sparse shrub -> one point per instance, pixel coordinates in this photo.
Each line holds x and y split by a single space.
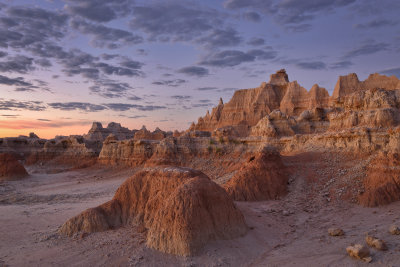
221 140
212 142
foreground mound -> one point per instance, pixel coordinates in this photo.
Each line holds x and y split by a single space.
181 209
263 177
382 185
10 168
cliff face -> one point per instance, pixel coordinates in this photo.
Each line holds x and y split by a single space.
295 100
247 106
318 97
373 102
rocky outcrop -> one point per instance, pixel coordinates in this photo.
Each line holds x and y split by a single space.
10 168
33 136
144 134
373 108
276 124
182 210
73 150
295 101
129 152
21 147
382 184
371 99
98 133
377 80
376 99
247 106
159 134
279 78
318 97
177 151
198 149
263 177
345 86
350 83
356 140
176 133
312 122
229 131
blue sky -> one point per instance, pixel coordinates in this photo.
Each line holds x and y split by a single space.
66 63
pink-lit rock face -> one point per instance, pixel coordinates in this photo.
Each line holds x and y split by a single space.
249 106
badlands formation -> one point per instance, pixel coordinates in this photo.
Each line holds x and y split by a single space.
277 176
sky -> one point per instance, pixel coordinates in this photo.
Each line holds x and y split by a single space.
65 64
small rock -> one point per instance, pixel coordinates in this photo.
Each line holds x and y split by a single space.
375 242
285 213
394 230
335 232
360 252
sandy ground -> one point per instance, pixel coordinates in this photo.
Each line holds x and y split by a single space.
287 232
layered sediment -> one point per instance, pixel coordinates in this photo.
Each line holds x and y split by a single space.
180 208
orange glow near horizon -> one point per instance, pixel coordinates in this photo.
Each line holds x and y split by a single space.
45 130
50 129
